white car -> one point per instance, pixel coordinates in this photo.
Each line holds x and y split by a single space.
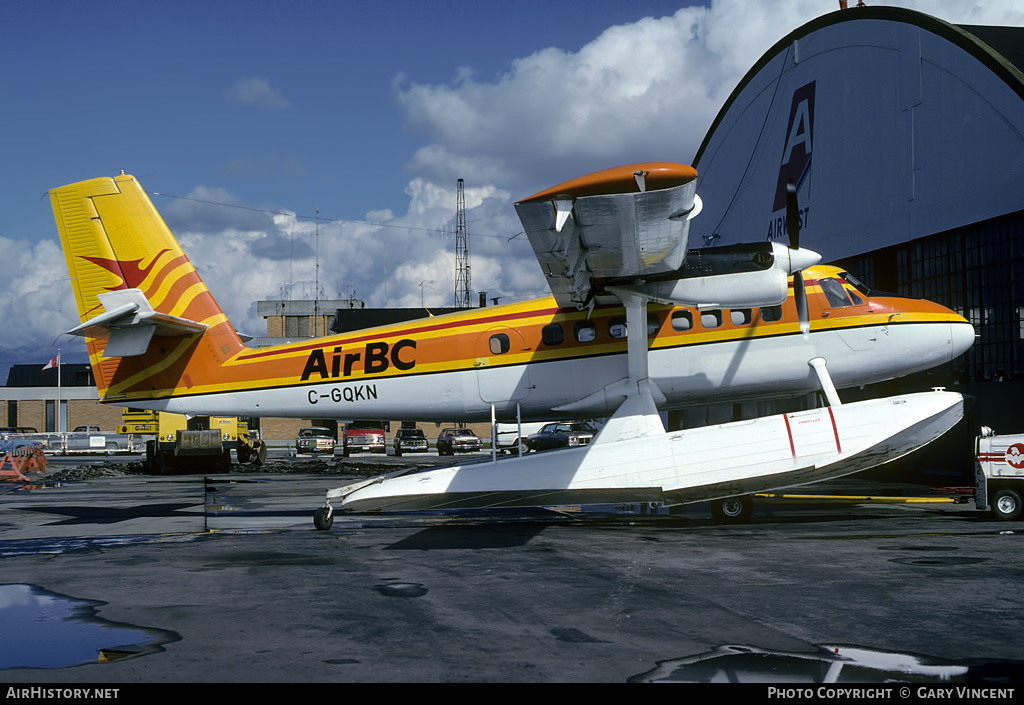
315 439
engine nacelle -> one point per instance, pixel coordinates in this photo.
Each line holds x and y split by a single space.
740 276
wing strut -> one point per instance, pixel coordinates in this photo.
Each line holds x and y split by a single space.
825 379
638 415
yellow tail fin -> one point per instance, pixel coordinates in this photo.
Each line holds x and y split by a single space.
137 294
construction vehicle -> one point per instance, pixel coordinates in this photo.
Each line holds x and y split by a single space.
999 473
138 421
193 444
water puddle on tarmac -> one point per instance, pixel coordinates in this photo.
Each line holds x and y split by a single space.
43 629
829 664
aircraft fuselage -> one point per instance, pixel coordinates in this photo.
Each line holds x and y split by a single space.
553 362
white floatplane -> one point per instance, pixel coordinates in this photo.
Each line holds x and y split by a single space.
637 323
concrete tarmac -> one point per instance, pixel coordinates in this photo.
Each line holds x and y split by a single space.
230 582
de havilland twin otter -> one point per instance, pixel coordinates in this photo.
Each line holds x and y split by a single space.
637 323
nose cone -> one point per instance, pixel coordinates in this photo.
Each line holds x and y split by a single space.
961 338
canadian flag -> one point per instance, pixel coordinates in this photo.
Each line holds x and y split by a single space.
52 363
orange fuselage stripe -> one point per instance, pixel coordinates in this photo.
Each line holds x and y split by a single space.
461 342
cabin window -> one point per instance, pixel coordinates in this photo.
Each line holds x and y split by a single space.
682 320
740 316
499 344
834 292
770 314
585 331
551 334
711 318
857 300
653 325
617 328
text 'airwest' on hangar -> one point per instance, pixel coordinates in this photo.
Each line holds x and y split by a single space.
905 136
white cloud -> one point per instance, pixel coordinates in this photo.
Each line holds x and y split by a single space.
255 92
36 299
643 91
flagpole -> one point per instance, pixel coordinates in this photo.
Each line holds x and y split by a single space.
59 430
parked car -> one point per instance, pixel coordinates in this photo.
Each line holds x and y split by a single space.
457 440
363 436
511 437
410 440
561 435
315 439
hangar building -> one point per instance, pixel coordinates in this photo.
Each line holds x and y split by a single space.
905 137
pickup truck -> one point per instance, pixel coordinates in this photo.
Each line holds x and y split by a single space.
364 435
87 439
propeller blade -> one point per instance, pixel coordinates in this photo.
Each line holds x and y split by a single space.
793 230
800 298
792 216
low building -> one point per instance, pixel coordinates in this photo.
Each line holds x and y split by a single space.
31 394
289 320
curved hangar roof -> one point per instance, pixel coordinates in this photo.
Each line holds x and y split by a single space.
893 124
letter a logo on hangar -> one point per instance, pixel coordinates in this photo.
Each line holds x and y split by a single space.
796 155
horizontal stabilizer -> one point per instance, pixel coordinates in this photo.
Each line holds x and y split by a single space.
129 323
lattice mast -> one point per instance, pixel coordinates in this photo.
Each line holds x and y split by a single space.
461 252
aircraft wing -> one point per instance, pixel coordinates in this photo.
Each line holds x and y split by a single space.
613 226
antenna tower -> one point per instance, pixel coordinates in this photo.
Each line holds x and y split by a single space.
461 252
316 293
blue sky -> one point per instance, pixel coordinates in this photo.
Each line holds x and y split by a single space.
159 89
365 111
285 105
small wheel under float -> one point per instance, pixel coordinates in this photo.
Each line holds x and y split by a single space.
732 510
323 518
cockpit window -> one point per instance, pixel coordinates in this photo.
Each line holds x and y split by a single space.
856 283
834 292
